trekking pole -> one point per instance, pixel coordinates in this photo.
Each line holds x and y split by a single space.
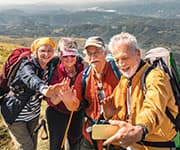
67 128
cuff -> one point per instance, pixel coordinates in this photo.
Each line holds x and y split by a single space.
145 131
43 89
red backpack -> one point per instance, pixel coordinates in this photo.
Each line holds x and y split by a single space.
11 66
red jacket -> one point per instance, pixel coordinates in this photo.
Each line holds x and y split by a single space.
58 75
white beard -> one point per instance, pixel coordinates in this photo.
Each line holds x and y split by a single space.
128 74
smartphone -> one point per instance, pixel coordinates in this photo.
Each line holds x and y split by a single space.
103 131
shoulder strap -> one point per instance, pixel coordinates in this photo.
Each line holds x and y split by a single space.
84 78
115 69
52 65
144 75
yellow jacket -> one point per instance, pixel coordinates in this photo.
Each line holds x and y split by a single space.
148 109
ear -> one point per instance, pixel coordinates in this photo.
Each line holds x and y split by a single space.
105 52
138 52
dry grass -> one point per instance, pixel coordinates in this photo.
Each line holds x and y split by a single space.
5 140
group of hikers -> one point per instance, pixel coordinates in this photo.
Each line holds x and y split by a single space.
104 98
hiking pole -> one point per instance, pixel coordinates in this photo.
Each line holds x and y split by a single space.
67 128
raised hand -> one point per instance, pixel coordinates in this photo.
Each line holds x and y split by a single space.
109 108
68 95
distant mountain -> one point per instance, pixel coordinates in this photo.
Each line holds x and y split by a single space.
154 24
160 8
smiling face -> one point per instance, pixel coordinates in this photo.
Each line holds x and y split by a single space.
127 60
69 61
44 54
96 57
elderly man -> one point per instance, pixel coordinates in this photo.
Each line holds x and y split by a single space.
142 116
100 83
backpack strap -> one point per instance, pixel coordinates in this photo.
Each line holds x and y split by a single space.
52 65
144 75
115 69
158 144
84 78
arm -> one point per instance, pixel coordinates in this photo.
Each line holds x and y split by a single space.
27 74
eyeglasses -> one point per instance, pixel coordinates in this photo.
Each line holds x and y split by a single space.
96 53
72 56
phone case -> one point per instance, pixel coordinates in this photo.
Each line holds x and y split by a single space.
103 131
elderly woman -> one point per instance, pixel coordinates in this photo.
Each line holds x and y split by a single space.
58 114
21 106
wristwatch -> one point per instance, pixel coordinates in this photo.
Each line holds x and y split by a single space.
145 131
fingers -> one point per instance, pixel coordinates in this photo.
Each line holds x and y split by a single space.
115 122
121 124
116 110
112 139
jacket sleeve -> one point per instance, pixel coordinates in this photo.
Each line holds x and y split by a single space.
158 94
27 73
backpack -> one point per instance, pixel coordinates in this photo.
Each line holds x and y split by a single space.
163 58
11 66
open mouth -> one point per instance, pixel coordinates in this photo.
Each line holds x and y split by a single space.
125 69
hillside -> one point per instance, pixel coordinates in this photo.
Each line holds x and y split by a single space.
150 32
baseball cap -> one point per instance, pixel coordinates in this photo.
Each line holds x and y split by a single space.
94 41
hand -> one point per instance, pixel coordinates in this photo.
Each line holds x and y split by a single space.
53 90
109 107
69 96
56 100
126 135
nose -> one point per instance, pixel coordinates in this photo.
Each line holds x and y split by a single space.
120 62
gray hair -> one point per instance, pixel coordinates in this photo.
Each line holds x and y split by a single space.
123 38
67 43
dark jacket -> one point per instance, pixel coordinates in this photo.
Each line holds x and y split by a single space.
27 82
